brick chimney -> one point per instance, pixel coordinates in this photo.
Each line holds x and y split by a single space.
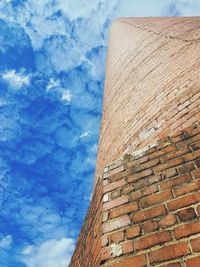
145 206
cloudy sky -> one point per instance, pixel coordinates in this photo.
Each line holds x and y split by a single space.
52 61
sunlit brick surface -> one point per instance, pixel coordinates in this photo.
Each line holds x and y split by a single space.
152 85
145 207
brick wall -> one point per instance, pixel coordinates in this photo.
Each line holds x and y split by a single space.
152 83
145 207
87 253
150 209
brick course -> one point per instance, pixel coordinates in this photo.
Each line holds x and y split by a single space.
145 207
158 223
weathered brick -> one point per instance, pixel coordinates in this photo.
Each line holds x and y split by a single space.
113 186
187 230
104 240
193 186
116 224
197 162
136 261
175 182
175 154
145 182
127 247
184 201
152 240
133 231
170 172
150 226
124 209
143 192
169 252
156 198
136 162
192 156
163 151
194 262
148 214
196 173
142 174
187 214
168 221
114 171
105 216
115 203
185 168
195 243
117 237
115 194
169 164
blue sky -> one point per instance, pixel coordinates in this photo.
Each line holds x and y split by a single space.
52 63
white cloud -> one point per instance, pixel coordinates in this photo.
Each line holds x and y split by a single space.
16 80
6 241
66 96
52 253
85 134
52 84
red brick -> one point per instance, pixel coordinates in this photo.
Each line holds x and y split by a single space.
187 230
170 172
185 168
148 214
187 214
115 203
125 209
192 156
196 173
156 198
150 226
105 253
194 262
112 186
193 186
117 237
168 253
104 240
133 231
184 201
127 189
127 247
167 221
175 154
140 175
116 224
169 164
136 261
114 171
105 216
150 164
115 194
163 151
152 240
175 182
143 192
136 162
195 243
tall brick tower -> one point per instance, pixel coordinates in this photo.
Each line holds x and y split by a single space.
145 206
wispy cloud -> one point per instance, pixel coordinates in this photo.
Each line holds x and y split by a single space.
52 253
16 80
6 241
52 59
